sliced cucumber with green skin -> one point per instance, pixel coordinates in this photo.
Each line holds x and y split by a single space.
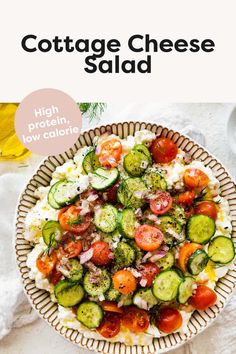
165 285
166 262
135 163
127 223
221 250
100 287
200 228
145 299
129 190
185 290
76 270
51 233
155 181
179 214
65 193
169 226
144 150
90 314
112 294
102 179
126 300
68 294
90 162
51 200
124 255
105 219
197 262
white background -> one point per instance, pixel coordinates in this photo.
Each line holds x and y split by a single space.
185 77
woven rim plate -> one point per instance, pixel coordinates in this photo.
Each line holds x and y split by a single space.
40 299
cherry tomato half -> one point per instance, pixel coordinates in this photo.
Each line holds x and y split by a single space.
101 253
185 252
162 203
46 263
149 271
206 208
148 237
110 152
186 198
55 276
71 220
169 320
111 306
203 298
110 325
124 281
163 150
135 319
195 179
71 248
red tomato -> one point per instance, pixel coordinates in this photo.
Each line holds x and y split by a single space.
195 179
101 253
46 263
111 306
186 198
55 276
203 298
206 208
135 319
162 203
149 271
111 194
72 248
148 237
124 281
71 220
163 150
110 152
110 325
169 320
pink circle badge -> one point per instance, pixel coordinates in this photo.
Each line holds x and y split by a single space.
48 122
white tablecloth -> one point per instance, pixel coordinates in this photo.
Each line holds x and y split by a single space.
210 119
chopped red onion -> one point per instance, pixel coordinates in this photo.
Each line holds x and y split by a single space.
86 256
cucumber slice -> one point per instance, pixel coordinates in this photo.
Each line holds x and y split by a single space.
139 254
135 163
68 294
185 290
126 300
100 287
51 233
51 200
155 181
124 255
105 219
90 314
166 262
221 250
165 285
127 223
112 294
90 162
144 299
179 214
169 226
130 193
197 262
102 179
200 228
65 193
76 270
144 150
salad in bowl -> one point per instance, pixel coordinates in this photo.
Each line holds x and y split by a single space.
130 238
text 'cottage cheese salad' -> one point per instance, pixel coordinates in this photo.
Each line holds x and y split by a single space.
130 238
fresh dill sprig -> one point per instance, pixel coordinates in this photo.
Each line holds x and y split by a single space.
93 109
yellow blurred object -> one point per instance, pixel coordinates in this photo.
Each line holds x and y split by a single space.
10 146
